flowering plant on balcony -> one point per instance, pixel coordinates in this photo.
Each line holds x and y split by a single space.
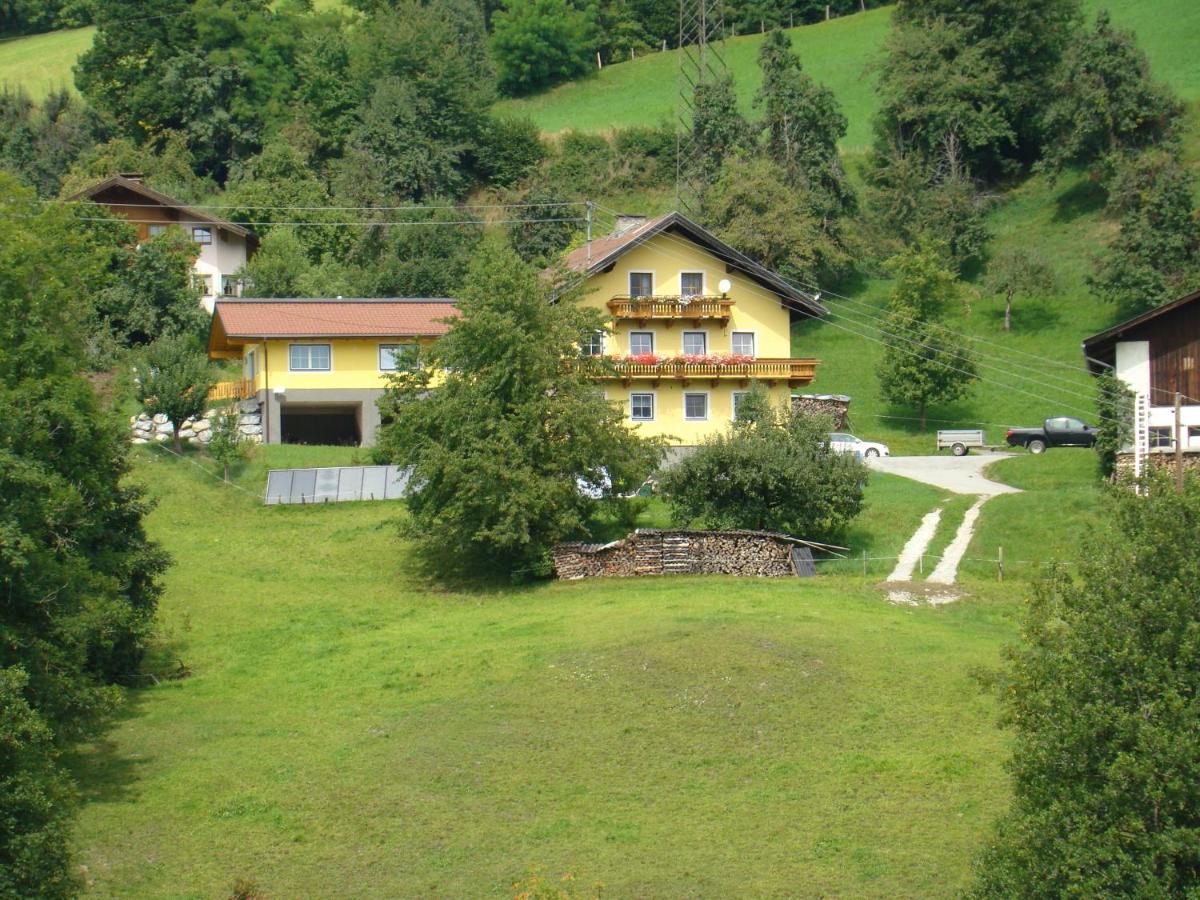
714 360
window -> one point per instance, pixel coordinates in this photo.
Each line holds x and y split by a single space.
691 284
641 284
695 406
738 397
393 357
592 345
202 235
641 342
641 407
695 343
309 358
1160 438
231 286
156 230
743 343
250 366
203 283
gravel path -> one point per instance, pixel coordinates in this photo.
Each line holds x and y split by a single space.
961 474
911 554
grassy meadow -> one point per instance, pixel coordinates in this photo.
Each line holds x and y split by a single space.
349 728
41 63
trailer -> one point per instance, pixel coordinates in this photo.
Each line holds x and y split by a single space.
960 441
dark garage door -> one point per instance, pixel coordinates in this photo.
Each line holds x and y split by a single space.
336 425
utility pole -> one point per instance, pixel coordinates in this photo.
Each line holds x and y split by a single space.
589 206
1178 442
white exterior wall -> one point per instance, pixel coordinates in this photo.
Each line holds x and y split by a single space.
224 256
1133 368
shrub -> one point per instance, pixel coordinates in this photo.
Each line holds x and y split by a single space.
772 471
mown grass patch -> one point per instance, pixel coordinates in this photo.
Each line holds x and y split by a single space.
41 63
349 727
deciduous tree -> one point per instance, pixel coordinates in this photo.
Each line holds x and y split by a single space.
539 43
1101 695
174 378
500 440
772 470
1018 270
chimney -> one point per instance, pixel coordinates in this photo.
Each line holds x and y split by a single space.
627 222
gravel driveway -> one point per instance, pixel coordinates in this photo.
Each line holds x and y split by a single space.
961 474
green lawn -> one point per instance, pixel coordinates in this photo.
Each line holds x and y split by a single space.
350 729
42 63
838 54
644 92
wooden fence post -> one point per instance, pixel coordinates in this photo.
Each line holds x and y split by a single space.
999 563
864 564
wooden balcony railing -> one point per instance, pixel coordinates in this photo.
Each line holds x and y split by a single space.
242 389
690 307
794 371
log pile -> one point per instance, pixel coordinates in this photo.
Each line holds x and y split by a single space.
760 554
836 406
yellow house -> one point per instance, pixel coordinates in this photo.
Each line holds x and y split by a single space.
693 324
317 367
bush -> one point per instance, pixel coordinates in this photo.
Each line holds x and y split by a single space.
772 471
539 43
509 150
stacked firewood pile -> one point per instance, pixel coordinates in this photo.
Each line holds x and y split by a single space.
836 406
679 552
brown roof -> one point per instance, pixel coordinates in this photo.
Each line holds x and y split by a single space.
237 320
1099 350
138 187
603 252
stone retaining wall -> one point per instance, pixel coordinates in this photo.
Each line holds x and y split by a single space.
654 552
157 428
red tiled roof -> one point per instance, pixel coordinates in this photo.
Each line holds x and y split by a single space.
239 319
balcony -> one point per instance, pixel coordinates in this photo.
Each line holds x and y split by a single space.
242 389
793 371
696 308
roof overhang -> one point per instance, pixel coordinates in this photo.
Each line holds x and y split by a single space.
1099 350
190 213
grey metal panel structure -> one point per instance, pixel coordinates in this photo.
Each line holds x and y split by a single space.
335 484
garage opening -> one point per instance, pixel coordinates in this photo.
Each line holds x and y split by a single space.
336 425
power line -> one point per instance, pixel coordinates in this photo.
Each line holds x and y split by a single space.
405 208
1007 386
361 224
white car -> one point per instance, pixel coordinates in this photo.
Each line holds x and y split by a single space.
841 442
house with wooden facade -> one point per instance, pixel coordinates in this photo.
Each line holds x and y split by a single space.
693 324
1157 354
223 246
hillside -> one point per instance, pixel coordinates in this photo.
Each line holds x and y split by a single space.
345 724
41 63
837 54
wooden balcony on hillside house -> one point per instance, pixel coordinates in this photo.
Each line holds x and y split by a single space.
795 372
694 307
242 389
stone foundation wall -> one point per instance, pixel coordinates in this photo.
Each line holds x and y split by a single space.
158 428
836 406
653 552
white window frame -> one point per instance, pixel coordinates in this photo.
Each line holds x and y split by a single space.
653 405
249 369
753 341
603 345
691 272
733 402
707 406
206 229
310 344
683 343
653 343
161 226
392 344
629 281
